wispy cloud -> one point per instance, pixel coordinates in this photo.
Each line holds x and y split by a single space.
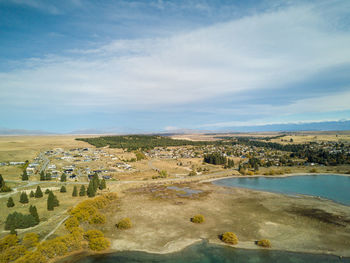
264 51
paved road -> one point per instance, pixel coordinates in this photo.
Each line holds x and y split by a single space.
46 162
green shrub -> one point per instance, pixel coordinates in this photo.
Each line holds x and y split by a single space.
198 219
264 243
125 223
10 202
230 238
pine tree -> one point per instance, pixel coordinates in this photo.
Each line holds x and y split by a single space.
102 184
31 194
50 201
38 192
2 182
10 202
47 191
3 186
63 189
91 190
25 176
63 178
48 177
95 182
13 231
82 191
23 198
55 201
75 191
42 176
34 213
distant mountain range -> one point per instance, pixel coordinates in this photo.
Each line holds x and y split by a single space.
5 131
342 125
286 127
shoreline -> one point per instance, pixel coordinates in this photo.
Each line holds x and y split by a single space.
269 176
244 245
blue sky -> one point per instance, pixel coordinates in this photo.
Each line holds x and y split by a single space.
162 65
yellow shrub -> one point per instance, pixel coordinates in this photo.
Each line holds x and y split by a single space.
230 238
8 241
97 219
250 173
31 257
99 243
88 209
30 240
91 234
12 253
54 247
125 223
197 219
96 239
71 223
264 243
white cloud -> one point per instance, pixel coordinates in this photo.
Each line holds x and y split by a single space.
268 50
338 102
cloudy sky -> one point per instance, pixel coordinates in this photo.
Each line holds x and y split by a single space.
160 65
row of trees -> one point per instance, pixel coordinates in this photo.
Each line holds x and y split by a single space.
45 177
136 142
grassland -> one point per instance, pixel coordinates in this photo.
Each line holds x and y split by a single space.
161 216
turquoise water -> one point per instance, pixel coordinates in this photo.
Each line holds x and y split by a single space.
333 187
206 253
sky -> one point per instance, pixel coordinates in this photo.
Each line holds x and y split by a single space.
147 66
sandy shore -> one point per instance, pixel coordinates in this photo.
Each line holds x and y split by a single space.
162 224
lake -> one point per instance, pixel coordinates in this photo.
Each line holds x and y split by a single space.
207 253
333 187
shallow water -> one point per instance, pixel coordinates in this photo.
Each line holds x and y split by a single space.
187 191
333 187
206 253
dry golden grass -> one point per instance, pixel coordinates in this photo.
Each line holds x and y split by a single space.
306 138
48 219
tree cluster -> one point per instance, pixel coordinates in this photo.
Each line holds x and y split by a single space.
215 158
17 220
45 177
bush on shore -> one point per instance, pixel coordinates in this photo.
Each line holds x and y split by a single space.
198 219
125 223
263 243
230 238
